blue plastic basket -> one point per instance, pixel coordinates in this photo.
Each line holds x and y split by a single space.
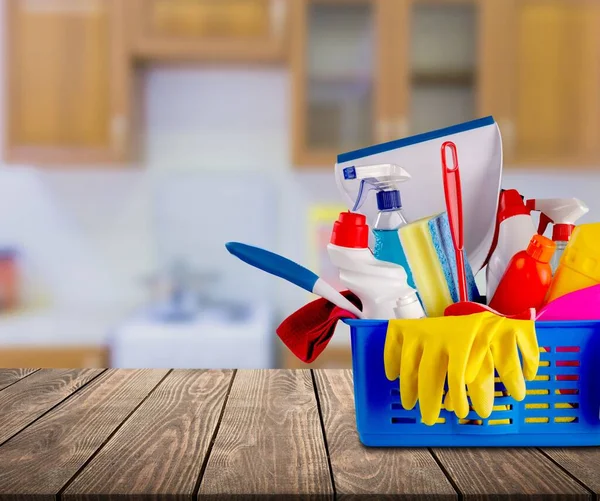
562 406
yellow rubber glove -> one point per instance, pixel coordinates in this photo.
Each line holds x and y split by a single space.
509 336
481 390
424 351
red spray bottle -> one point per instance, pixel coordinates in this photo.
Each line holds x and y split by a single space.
527 278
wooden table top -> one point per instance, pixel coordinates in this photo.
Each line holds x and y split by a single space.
95 434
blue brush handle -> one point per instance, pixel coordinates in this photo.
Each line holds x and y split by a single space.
274 264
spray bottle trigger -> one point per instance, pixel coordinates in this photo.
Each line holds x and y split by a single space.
362 195
544 222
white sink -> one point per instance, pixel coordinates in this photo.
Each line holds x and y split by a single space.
209 341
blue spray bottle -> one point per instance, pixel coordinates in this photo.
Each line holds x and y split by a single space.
384 180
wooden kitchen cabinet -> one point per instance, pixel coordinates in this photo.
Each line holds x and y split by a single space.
341 83
547 98
369 71
209 30
68 87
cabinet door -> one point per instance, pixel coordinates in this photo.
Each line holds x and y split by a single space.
436 64
552 97
239 30
341 77
67 81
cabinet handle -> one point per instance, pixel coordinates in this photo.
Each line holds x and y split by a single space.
278 16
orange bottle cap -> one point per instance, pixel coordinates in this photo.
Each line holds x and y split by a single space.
541 248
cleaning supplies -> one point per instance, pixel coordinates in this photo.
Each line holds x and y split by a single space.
378 284
307 331
582 304
580 265
292 272
527 278
384 180
481 169
453 197
428 352
430 254
514 233
409 307
563 213
387 240
424 353
512 340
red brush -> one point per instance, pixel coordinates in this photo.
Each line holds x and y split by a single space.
453 195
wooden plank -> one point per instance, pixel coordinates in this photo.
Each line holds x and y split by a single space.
508 474
39 461
269 441
161 448
581 462
25 401
10 376
360 471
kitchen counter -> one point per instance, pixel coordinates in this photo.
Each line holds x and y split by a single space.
181 434
59 327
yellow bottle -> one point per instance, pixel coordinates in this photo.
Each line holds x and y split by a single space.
580 264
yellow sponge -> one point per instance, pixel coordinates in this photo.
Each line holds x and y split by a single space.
427 244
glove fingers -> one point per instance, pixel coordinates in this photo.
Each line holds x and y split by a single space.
481 390
528 345
506 360
481 345
448 404
392 352
412 352
456 383
432 376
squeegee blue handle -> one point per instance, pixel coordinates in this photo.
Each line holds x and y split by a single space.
274 264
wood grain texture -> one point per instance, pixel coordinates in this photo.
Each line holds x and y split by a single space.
175 30
508 474
161 448
25 401
270 440
68 86
360 472
10 376
581 462
39 461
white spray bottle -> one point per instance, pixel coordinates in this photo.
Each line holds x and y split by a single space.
563 213
384 180
381 286
514 231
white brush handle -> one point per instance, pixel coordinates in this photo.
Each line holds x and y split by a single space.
323 289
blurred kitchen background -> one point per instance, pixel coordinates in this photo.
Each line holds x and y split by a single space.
139 136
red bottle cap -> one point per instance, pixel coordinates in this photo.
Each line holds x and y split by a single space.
541 248
511 204
562 232
350 230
